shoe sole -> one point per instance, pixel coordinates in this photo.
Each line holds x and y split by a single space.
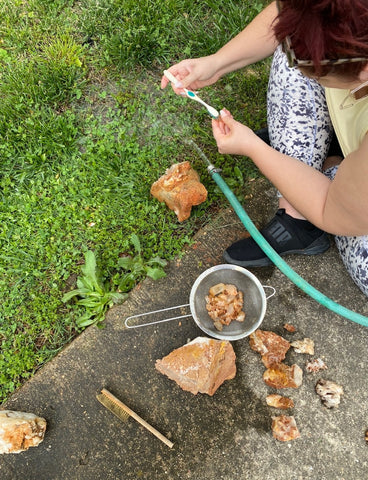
314 248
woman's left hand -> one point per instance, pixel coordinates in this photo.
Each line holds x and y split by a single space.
233 137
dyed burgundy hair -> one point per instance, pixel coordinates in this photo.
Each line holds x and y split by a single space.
326 29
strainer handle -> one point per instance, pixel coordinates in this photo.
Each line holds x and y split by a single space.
273 291
158 321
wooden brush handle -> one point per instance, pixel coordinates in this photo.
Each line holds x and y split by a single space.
136 417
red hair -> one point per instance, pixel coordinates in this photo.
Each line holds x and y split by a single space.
326 29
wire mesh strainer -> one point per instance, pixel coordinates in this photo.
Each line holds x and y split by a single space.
255 302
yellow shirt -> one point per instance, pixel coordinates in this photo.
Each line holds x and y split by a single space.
350 124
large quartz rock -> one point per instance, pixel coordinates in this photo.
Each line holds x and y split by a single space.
19 431
200 366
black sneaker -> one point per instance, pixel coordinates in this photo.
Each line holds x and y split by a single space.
286 235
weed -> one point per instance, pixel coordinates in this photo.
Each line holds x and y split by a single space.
136 268
95 295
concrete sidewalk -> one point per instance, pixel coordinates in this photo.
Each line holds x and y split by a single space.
227 436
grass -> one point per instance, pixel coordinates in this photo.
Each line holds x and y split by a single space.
84 132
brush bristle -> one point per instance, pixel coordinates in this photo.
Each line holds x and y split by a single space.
113 407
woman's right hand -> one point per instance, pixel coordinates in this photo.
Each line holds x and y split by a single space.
193 74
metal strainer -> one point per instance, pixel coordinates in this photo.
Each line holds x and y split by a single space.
255 302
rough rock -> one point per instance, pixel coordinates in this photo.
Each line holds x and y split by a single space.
200 366
330 392
284 428
278 401
304 346
271 346
283 376
180 188
315 365
289 327
20 430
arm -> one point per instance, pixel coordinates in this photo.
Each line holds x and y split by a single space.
347 199
338 206
251 45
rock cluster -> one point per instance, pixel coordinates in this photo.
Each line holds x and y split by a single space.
20 430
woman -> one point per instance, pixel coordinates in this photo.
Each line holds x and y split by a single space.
318 83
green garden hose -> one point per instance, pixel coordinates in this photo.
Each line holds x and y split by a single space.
275 257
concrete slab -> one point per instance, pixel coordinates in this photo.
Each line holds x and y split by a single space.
227 436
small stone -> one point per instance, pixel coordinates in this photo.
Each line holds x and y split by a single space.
330 392
314 366
20 430
290 328
278 401
284 428
283 376
304 346
271 346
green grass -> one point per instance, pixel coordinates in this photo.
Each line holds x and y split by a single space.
84 132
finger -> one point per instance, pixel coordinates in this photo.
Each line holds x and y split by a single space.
164 82
224 129
189 78
228 120
225 113
175 86
217 126
221 126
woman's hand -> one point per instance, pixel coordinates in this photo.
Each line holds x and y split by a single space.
233 137
193 74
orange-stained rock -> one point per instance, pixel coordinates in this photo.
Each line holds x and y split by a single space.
200 366
283 376
271 346
180 188
278 401
224 304
315 365
284 428
289 327
19 431
303 346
